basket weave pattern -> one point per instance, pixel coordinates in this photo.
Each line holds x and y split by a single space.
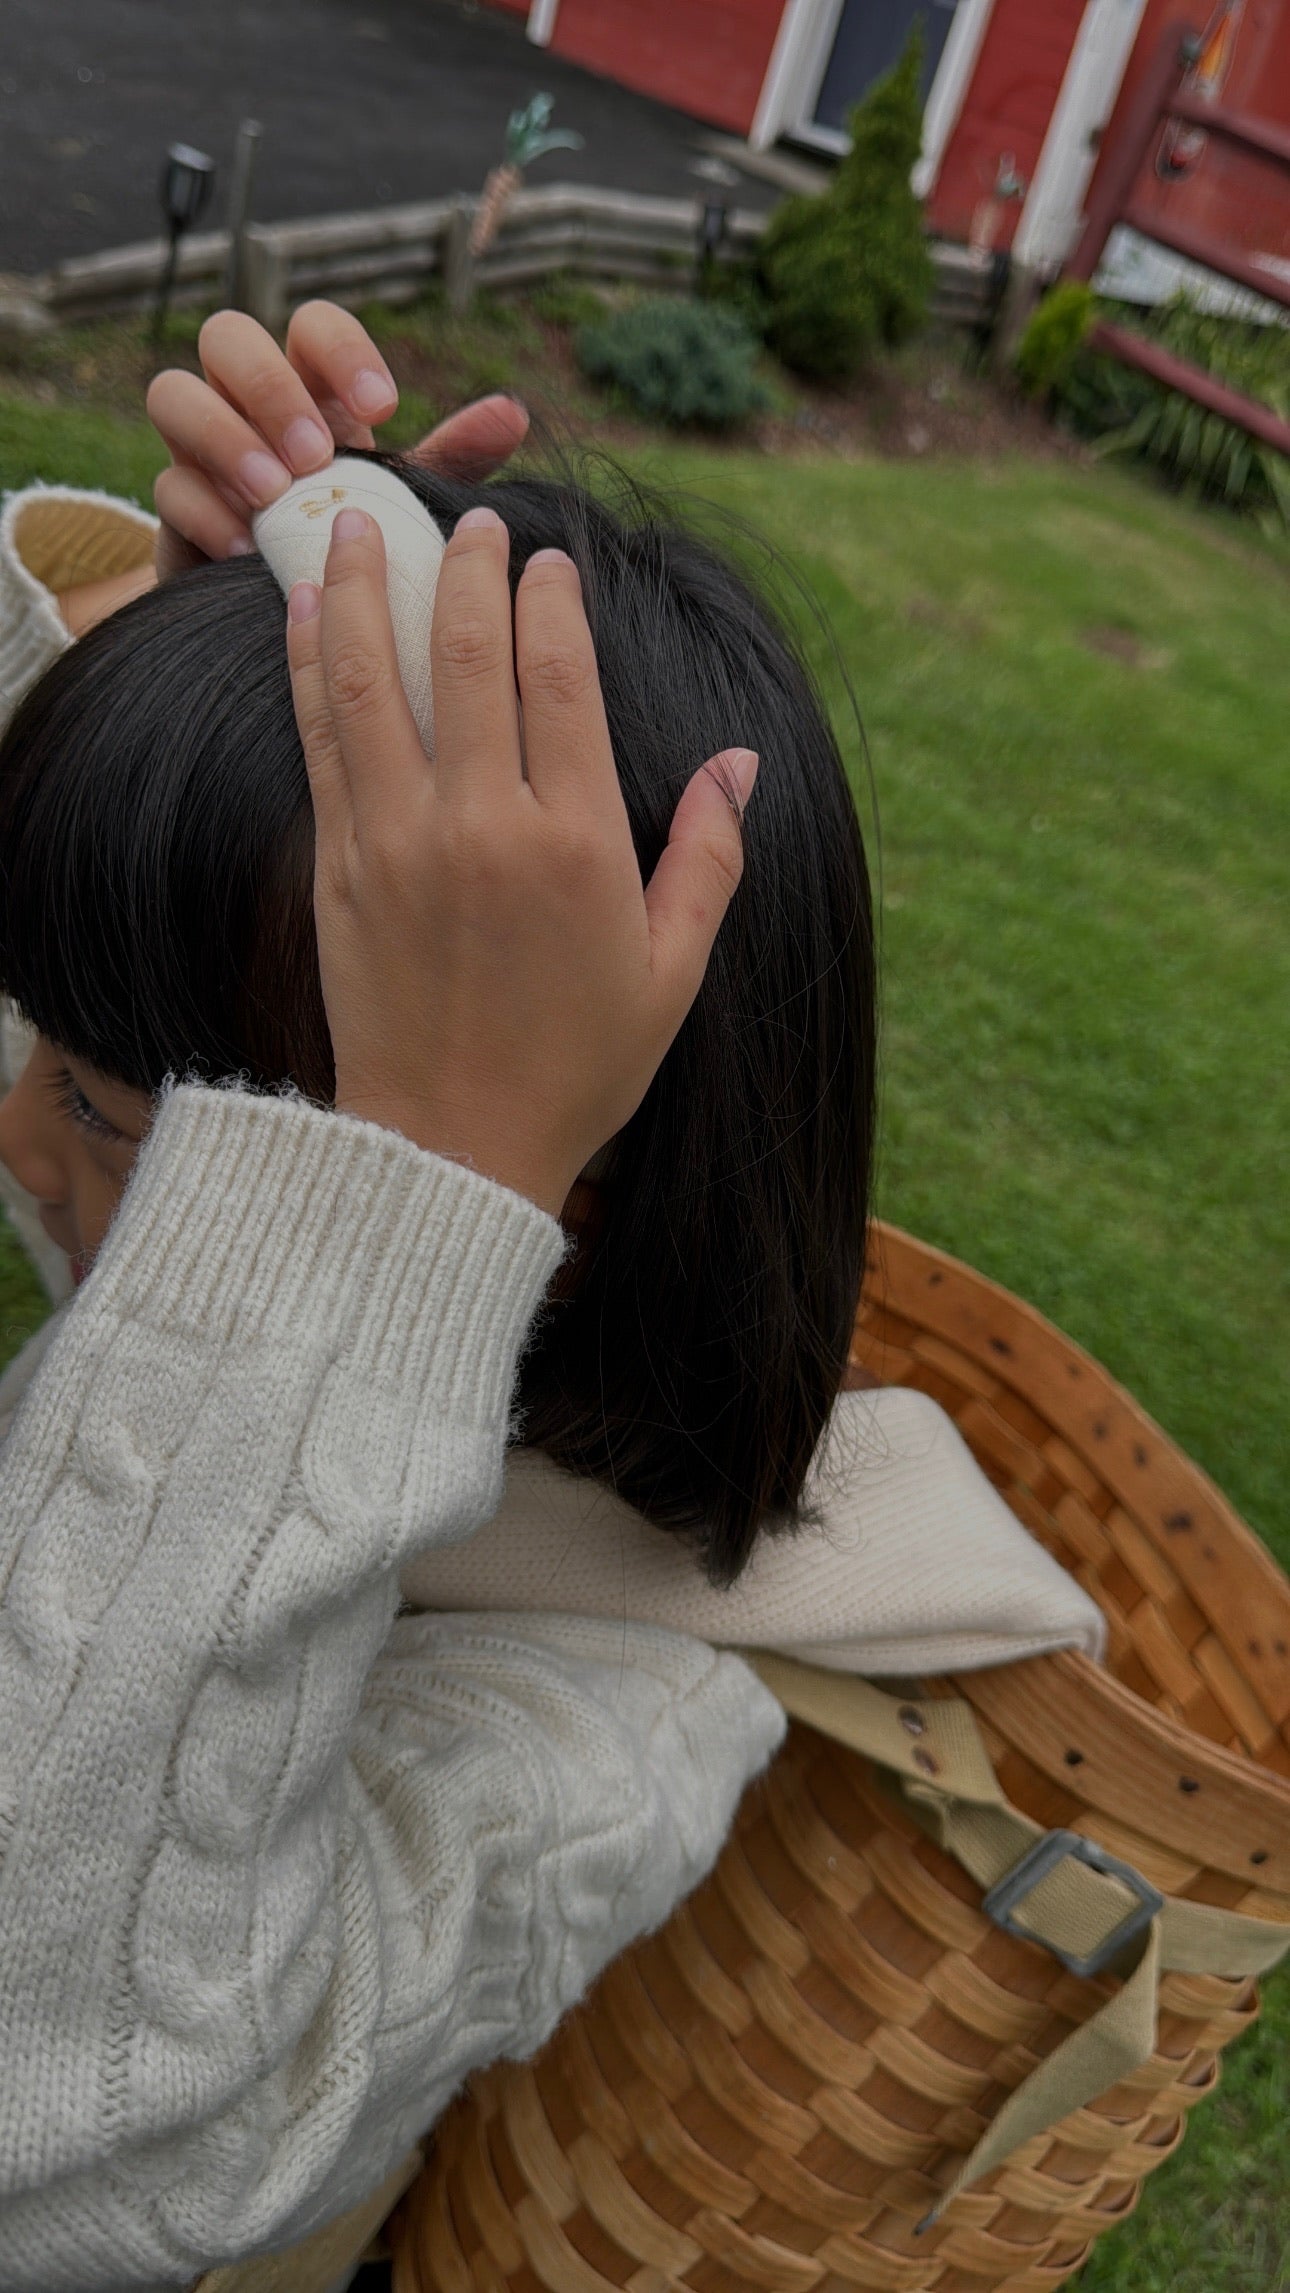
774 2089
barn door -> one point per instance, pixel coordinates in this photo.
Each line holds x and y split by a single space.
869 38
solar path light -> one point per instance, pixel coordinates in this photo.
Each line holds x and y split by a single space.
187 180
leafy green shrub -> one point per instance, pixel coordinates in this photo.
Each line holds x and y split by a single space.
848 272
566 300
1051 343
737 286
676 361
1128 413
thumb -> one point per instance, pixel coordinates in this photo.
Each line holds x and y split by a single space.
697 876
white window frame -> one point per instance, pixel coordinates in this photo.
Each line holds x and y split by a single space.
1053 213
541 21
800 58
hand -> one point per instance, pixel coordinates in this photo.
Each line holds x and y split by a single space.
262 417
499 986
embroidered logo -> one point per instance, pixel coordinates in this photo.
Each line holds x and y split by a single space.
314 507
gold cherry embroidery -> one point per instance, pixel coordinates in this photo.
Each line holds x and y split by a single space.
314 508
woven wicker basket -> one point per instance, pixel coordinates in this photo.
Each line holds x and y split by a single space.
773 2090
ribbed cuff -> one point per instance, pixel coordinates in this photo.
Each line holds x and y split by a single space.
32 631
250 1218
63 536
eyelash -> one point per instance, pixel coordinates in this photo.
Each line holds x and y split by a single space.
71 1100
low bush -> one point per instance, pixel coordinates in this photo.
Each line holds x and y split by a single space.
1048 349
1202 453
848 273
677 361
736 285
566 300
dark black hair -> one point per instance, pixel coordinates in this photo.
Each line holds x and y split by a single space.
156 843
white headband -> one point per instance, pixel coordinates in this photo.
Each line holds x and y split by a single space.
293 534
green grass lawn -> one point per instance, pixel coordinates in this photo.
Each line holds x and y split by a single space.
1076 696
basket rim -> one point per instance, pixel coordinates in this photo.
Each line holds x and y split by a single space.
1218 1807
1188 1518
1110 1750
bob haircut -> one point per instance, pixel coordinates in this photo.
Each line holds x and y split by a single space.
156 918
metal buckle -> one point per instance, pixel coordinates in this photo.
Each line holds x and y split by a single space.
1043 1857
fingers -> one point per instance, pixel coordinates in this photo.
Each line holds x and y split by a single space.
261 418
477 734
205 432
189 505
343 372
477 440
566 739
386 768
243 363
328 780
691 888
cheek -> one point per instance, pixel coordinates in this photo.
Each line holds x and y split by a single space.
96 1197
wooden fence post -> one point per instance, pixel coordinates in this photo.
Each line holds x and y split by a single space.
458 263
239 209
265 276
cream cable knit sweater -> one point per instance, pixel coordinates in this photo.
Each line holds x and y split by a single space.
277 1870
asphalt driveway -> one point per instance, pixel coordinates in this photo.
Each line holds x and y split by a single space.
362 102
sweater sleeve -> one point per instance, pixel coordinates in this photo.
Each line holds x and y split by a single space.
54 538
277 1870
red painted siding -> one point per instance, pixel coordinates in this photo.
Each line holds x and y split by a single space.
708 57
1238 199
1008 105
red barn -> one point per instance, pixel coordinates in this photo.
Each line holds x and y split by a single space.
1020 96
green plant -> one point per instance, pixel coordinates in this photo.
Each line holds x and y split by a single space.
1128 413
847 272
677 361
1051 343
530 135
566 300
737 286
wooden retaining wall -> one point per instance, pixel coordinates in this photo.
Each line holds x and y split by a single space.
390 254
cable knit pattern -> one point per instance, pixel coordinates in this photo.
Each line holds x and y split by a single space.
277 1870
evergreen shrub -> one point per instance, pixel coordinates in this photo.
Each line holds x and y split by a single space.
677 361
1046 354
847 273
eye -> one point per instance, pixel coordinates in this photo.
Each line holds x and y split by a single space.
70 1099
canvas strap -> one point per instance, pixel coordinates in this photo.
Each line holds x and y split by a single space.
934 1751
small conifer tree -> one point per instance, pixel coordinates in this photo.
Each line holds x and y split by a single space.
848 272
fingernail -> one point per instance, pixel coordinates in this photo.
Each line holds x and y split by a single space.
743 764
262 478
472 521
370 391
240 546
551 557
351 525
305 601
306 444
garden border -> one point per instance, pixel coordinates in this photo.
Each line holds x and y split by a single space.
390 254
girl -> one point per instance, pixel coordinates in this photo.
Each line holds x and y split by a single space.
277 1866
